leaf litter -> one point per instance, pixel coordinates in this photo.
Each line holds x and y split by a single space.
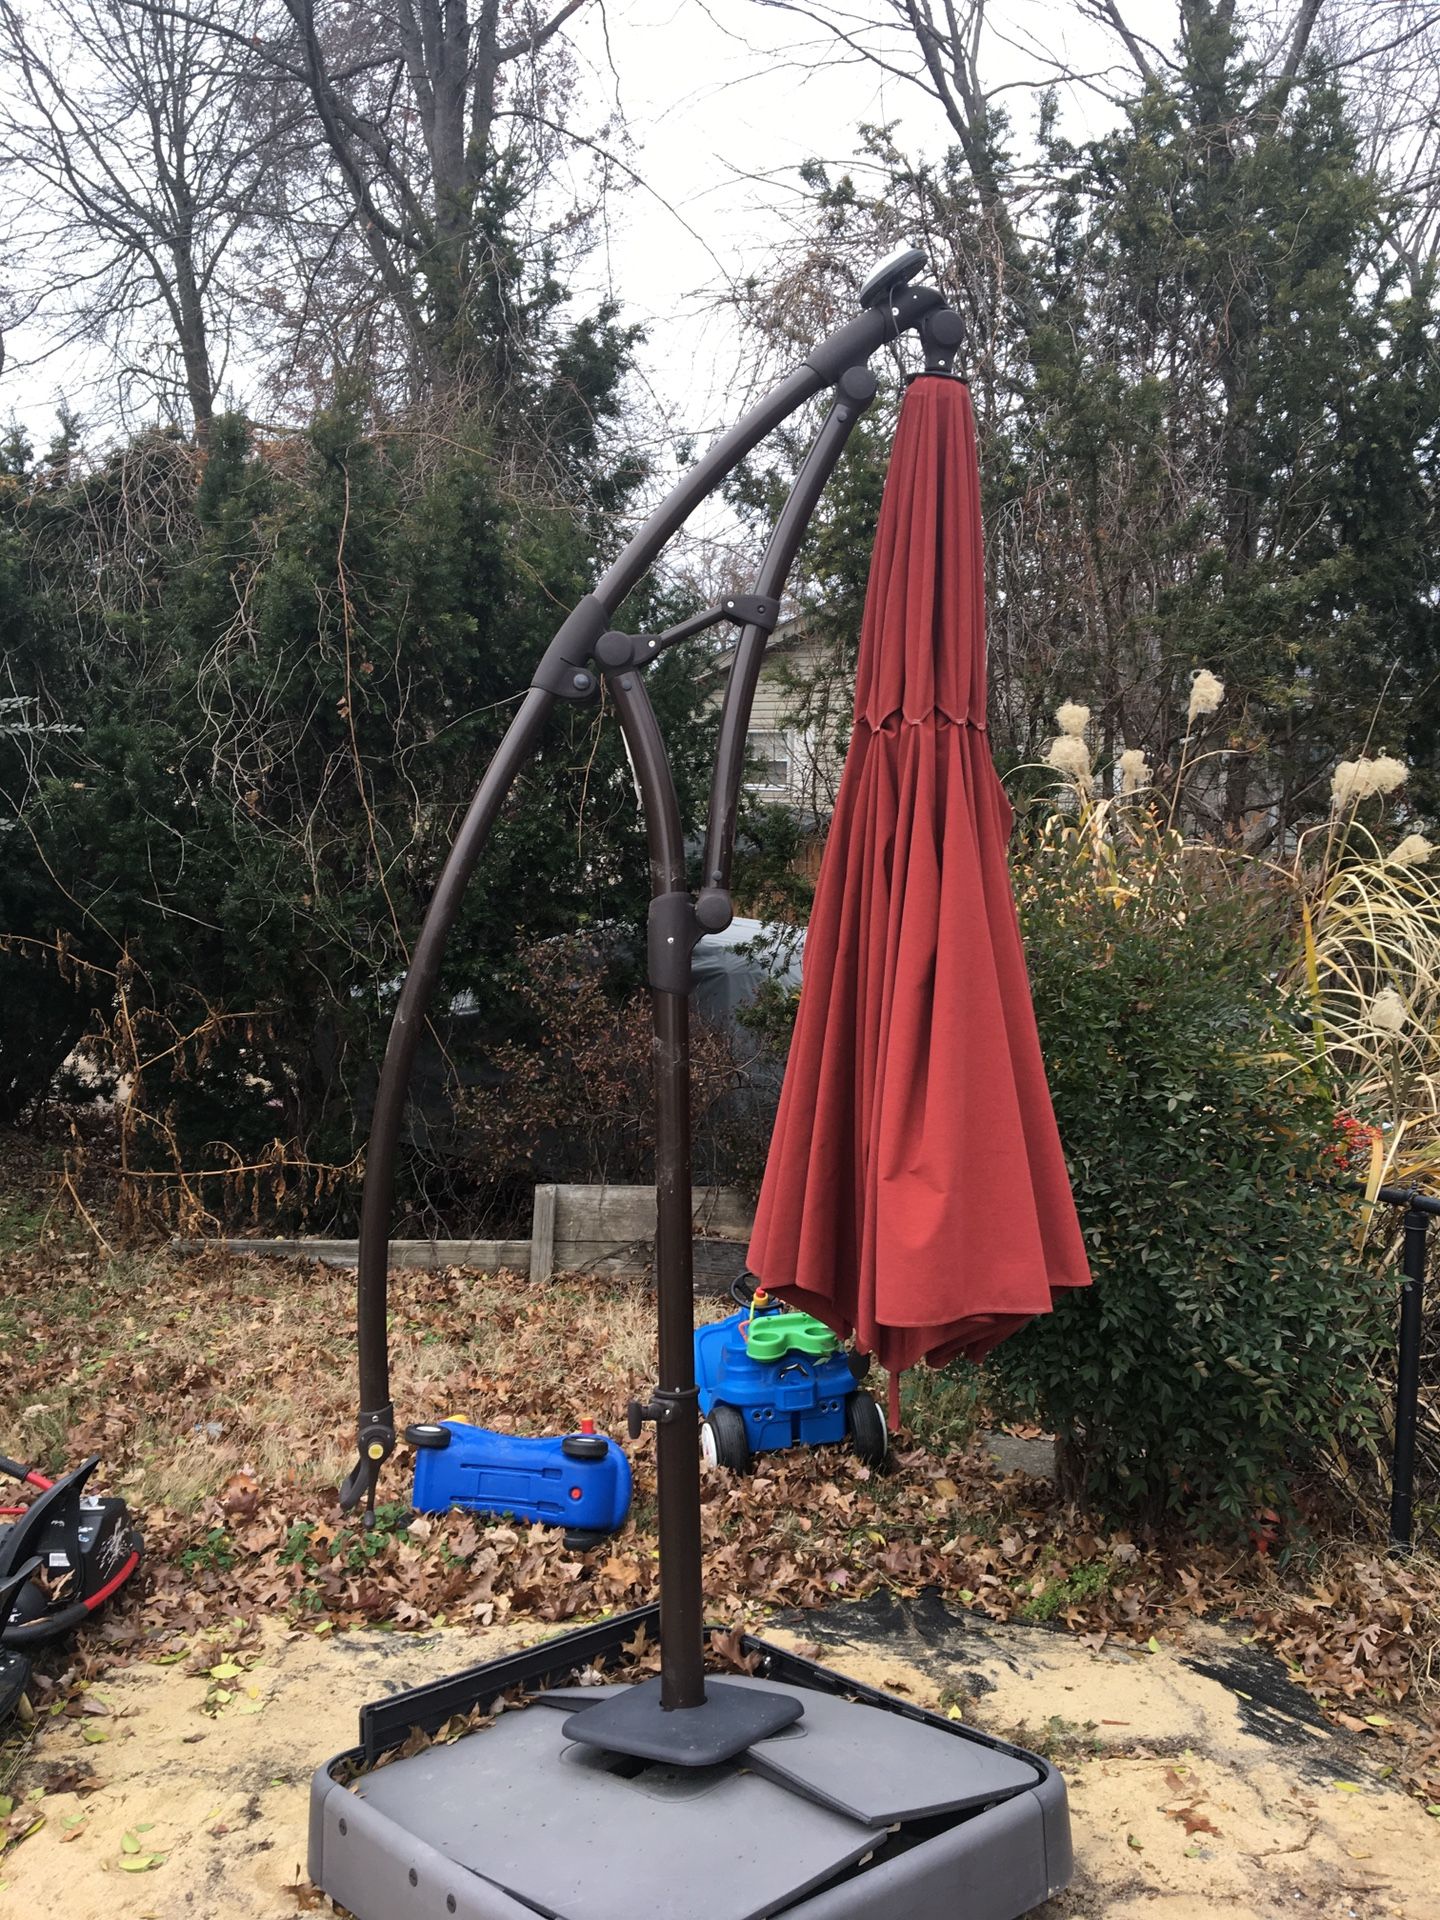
122 1358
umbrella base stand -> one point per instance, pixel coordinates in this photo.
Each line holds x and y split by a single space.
632 1721
859 1805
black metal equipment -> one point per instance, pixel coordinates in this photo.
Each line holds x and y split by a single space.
679 1735
75 1549
14 1666
1420 1210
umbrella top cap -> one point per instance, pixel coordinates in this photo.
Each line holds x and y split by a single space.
895 271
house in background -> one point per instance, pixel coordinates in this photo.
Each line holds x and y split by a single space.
798 724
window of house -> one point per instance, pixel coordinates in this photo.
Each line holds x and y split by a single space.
770 757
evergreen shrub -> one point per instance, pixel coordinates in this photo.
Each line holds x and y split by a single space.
1225 1343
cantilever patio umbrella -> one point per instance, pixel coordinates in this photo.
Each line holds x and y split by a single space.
686 1719
916 1194
583 1814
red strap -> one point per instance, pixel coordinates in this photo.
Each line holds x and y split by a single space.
895 1401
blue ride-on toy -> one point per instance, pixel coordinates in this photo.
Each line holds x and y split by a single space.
770 1378
578 1481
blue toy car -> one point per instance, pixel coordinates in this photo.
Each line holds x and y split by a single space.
771 1378
578 1481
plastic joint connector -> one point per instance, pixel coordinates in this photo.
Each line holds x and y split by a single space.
375 1436
665 1405
671 932
751 610
565 668
942 335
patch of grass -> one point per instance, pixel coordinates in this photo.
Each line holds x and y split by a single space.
941 1407
21 1224
296 1549
1081 1584
214 1552
1061 1739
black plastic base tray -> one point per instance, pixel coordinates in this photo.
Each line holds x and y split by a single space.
865 1806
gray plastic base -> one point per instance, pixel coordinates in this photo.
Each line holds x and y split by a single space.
862 1807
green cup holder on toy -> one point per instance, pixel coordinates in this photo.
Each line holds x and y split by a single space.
770 1336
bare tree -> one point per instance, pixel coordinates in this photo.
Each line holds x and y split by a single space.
938 47
135 141
1386 53
428 112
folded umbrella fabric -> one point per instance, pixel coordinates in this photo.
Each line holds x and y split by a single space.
916 1195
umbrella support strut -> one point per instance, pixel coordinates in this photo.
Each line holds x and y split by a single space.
679 1718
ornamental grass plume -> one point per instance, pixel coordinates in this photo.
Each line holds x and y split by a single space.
1135 774
1413 851
1206 693
1068 754
1387 1012
1355 780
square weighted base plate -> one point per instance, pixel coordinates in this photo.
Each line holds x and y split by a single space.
862 1806
732 1719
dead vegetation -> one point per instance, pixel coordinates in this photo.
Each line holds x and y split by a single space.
220 1393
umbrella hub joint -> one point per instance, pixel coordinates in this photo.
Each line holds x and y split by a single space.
942 335
674 925
665 1407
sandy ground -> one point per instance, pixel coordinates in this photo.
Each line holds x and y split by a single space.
1201 1783
1201 1780
220 1797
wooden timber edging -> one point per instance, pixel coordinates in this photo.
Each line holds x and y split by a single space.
428 1254
606 1230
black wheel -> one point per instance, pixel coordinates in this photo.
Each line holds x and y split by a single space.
581 1539
429 1434
723 1439
865 1424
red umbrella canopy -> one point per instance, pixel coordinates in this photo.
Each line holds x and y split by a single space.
916 1194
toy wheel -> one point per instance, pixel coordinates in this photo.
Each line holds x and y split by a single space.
581 1539
723 1439
865 1425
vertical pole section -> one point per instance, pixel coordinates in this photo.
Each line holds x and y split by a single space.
677 1437
1407 1383
674 1408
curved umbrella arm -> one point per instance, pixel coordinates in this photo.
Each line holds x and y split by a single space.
566 671
376 1423
854 392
